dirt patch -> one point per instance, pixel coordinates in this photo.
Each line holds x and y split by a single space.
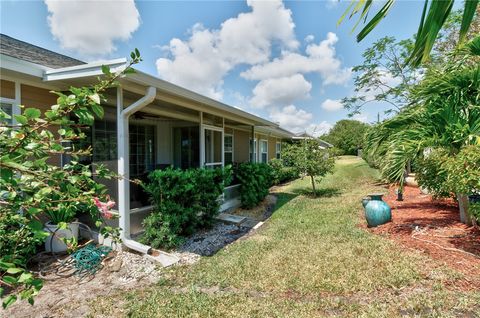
261 212
434 228
68 296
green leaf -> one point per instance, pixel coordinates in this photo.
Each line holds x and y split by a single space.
468 14
25 277
95 98
21 119
14 270
375 20
105 69
9 280
9 300
98 110
32 113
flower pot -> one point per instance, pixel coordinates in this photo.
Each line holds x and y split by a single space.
411 181
54 242
377 212
365 201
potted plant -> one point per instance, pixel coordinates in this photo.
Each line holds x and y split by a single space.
62 228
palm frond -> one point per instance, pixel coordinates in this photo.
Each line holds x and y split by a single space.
468 14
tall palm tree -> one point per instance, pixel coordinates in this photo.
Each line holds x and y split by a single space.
446 114
433 18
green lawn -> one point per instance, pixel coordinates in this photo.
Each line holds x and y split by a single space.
310 259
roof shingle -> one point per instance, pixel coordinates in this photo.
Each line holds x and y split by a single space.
34 54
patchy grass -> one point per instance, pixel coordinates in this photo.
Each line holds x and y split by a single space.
309 260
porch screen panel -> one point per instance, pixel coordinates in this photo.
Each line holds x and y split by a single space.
186 147
228 149
213 148
142 161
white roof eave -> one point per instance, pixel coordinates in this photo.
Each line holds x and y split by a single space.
139 77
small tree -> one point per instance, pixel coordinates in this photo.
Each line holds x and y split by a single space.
310 159
347 136
30 186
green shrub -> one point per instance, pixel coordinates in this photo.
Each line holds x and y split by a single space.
282 173
432 173
475 210
255 182
185 200
18 240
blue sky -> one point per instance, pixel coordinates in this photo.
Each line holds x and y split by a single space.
286 61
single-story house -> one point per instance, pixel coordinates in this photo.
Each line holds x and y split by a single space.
149 123
304 135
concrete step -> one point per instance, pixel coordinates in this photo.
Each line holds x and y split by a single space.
231 219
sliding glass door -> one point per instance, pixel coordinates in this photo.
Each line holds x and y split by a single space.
186 152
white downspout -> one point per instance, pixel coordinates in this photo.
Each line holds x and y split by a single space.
123 116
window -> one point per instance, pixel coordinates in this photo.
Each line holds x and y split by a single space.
253 152
278 150
6 108
228 149
263 151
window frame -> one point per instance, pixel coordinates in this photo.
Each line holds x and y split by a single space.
225 148
261 152
254 154
278 150
14 102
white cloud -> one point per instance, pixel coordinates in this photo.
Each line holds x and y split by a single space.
361 117
280 91
332 105
309 38
291 118
330 4
91 27
320 58
317 130
201 62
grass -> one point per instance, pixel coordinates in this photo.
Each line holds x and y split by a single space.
311 259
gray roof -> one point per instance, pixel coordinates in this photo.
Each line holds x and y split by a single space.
34 54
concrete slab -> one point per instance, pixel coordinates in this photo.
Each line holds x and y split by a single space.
231 219
164 258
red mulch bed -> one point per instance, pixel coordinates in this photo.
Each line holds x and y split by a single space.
434 227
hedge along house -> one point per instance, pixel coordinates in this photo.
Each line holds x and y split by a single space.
148 124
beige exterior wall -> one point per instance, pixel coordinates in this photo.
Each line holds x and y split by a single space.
7 89
37 97
42 99
271 148
241 146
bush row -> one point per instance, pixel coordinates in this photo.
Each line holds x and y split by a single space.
184 200
255 181
282 173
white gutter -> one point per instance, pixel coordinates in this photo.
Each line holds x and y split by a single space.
123 165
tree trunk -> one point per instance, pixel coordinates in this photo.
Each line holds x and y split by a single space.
313 186
465 217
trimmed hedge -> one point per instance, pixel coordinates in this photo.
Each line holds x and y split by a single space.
282 173
184 200
255 182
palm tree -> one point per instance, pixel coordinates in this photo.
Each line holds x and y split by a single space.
433 18
445 115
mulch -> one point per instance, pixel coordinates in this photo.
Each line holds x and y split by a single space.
434 228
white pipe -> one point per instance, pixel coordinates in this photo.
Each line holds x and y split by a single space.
123 116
